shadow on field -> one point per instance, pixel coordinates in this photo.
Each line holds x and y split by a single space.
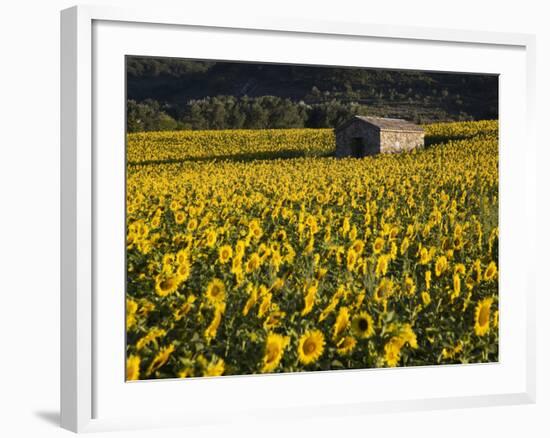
440 139
284 154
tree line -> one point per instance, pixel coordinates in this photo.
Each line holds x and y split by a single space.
265 112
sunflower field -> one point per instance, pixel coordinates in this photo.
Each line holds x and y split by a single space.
258 252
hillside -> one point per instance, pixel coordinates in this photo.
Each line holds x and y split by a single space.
231 95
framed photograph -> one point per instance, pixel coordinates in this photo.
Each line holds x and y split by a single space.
291 218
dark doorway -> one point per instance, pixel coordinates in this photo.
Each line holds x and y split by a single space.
358 147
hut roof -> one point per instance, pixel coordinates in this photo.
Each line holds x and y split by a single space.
384 124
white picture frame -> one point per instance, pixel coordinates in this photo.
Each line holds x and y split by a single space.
91 181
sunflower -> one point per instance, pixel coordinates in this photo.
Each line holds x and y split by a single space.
460 269
212 329
265 305
404 245
185 373
168 260
341 323
311 346
225 253
151 336
363 325
440 265
276 260
274 318
182 256
351 259
426 299
482 316
378 245
215 291
470 282
392 351
281 235
345 226
382 265
132 367
428 279
408 336
309 299
331 306
236 265
179 217
184 270
274 349
477 270
277 284
192 225
425 256
358 246
410 287
346 345
155 222
240 248
214 368
160 359
456 287
253 263
384 290
490 272
131 309
166 284
211 238
185 308
353 233
252 299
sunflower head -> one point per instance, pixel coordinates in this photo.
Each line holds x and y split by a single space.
440 265
160 359
490 272
132 367
131 309
311 346
166 284
309 299
384 290
483 316
358 246
382 264
410 287
363 325
342 322
215 368
179 217
215 291
253 263
225 253
211 238
351 258
192 224
426 298
392 351
274 350
378 245
346 345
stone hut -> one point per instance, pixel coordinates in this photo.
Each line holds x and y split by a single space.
362 136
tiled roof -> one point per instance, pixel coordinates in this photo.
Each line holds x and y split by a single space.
385 124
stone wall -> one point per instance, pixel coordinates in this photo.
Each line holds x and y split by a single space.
395 141
345 139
